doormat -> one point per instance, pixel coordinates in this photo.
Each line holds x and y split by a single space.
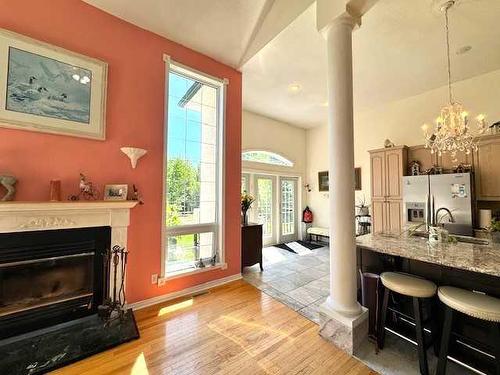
46 349
299 247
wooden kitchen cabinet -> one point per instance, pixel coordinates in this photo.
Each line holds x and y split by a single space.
423 156
396 164
388 166
487 169
387 216
428 160
394 216
448 165
377 162
378 215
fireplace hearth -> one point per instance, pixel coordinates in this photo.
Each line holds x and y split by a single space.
51 276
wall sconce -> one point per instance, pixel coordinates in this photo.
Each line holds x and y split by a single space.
134 154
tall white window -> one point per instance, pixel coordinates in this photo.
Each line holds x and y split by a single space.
193 170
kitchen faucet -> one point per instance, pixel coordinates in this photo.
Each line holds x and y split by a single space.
452 219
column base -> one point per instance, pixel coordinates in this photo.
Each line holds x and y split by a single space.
348 333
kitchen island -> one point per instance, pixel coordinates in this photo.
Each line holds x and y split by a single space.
465 265
484 259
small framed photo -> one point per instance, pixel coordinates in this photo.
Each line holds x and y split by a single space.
323 181
115 192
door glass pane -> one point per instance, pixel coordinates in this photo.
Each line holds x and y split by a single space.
287 207
244 184
265 205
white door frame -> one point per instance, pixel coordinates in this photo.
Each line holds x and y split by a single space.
275 176
295 235
272 239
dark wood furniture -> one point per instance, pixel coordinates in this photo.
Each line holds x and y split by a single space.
251 245
470 341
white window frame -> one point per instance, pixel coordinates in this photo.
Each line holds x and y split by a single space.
218 226
286 162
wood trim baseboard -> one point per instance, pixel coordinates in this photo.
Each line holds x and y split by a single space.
184 292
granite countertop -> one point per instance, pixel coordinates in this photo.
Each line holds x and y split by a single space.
472 257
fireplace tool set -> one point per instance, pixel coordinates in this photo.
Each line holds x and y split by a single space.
113 308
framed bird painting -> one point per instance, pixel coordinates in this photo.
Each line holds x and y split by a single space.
49 89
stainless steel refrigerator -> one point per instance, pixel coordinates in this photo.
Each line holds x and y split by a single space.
444 198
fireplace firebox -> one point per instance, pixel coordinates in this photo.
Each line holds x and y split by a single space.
52 276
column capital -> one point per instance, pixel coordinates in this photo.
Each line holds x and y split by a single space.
345 12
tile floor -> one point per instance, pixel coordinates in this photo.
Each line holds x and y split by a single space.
301 282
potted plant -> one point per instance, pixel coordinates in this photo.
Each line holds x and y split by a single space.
363 208
246 203
495 230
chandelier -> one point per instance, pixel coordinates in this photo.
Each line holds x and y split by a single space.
451 132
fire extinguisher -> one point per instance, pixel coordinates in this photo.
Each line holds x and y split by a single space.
307 216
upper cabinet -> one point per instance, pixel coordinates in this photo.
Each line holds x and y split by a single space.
387 168
423 156
487 169
428 160
378 184
396 164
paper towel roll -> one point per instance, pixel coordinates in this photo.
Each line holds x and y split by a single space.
484 218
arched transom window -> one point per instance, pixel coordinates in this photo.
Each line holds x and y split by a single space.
266 157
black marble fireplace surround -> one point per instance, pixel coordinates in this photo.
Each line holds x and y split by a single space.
50 277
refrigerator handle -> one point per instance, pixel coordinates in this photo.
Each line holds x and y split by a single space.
433 216
427 210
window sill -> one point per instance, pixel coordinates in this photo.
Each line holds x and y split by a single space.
188 272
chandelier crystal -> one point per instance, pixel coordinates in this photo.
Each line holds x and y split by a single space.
451 133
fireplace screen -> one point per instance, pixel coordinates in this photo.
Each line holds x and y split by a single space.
30 284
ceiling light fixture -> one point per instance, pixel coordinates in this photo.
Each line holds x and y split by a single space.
463 50
451 133
294 87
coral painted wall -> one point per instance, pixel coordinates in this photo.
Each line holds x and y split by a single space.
135 114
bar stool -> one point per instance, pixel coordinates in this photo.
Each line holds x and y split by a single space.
414 287
475 305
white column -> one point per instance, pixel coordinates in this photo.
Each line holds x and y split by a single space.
342 320
343 285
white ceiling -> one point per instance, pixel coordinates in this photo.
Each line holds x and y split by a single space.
220 29
398 52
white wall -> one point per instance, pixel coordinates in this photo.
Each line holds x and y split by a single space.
263 133
400 121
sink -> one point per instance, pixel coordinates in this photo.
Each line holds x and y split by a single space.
472 240
464 239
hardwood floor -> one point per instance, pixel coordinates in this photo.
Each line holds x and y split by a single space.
233 329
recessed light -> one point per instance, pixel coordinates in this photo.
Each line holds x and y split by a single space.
462 50
294 87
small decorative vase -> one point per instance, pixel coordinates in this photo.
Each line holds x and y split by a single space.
55 191
244 217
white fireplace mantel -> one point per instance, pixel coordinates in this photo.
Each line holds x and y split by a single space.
35 216
27 216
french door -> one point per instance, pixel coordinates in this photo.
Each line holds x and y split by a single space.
276 206
265 193
288 226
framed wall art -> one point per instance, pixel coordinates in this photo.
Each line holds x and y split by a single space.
49 89
115 192
324 182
